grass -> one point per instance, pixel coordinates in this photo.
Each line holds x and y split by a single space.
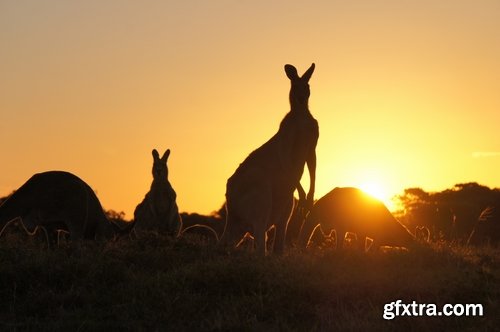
157 283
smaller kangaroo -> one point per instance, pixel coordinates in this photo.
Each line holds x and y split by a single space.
158 210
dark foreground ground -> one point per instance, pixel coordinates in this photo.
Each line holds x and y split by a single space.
158 284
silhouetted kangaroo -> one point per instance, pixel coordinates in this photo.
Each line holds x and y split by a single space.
56 201
260 192
351 210
158 211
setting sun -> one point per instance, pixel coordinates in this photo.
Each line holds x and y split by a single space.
374 189
378 191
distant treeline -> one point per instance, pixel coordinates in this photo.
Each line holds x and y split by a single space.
449 214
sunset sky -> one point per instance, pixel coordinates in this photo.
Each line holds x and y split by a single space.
406 93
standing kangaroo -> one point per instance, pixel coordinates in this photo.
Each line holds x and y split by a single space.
158 210
260 192
56 201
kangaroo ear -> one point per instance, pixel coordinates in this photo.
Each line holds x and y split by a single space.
156 155
308 73
291 72
165 155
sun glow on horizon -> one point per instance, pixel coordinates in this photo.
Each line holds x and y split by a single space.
378 191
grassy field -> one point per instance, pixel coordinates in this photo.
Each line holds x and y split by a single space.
159 284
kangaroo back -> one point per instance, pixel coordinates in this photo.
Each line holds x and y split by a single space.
56 200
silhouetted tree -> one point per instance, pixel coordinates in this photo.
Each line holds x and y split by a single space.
421 208
115 216
449 214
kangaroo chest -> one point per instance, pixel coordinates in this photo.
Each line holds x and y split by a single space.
299 134
161 200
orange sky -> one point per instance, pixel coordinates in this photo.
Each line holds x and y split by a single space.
406 92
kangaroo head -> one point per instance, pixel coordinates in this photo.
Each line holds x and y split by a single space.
160 170
299 92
